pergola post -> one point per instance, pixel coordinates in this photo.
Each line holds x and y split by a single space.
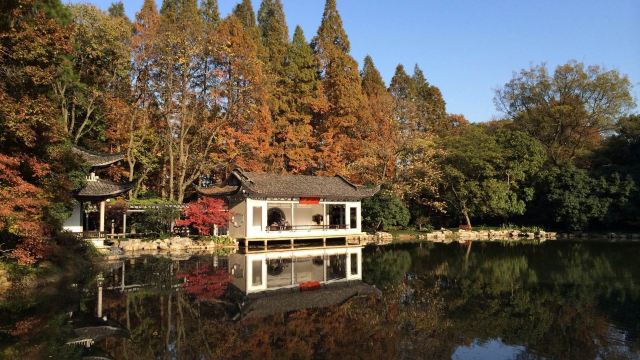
124 223
102 211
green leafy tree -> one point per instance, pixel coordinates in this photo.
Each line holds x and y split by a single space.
35 160
620 154
97 67
572 199
486 175
385 211
386 269
569 111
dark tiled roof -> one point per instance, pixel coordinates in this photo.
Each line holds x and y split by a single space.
277 302
103 188
96 159
218 190
327 187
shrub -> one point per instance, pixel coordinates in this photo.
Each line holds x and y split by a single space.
384 211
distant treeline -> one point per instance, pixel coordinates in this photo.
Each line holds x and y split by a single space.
188 95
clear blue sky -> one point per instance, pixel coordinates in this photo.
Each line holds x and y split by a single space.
469 48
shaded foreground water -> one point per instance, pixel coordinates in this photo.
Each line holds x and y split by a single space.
554 300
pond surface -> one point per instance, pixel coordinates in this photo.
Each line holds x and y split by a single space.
555 300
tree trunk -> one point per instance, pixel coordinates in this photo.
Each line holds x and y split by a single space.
466 217
171 165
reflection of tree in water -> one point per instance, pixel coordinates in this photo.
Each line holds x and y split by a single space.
557 299
204 283
388 327
386 268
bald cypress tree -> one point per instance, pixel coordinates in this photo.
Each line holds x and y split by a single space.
274 32
210 12
303 101
116 9
378 128
247 17
179 10
244 12
402 90
331 31
372 83
340 143
274 36
430 106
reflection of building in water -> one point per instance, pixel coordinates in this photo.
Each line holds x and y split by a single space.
255 272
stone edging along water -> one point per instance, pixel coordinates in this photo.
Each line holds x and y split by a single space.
516 235
175 243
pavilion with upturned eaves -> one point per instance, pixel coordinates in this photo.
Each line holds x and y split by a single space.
291 209
94 194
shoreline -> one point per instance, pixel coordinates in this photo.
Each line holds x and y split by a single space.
446 236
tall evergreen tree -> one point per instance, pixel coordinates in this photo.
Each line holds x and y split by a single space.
274 42
179 10
274 32
430 105
379 130
331 30
339 143
401 88
372 83
241 100
244 12
116 9
210 12
247 17
304 100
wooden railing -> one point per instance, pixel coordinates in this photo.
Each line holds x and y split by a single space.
93 234
306 227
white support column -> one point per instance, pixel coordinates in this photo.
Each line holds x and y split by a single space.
293 219
347 213
324 215
265 210
293 264
124 223
102 210
122 285
99 310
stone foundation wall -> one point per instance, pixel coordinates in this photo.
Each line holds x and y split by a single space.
169 244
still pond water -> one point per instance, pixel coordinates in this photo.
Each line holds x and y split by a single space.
555 300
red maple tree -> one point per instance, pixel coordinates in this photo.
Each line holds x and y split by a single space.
204 214
21 207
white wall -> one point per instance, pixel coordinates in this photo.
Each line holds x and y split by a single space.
236 229
302 216
74 222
